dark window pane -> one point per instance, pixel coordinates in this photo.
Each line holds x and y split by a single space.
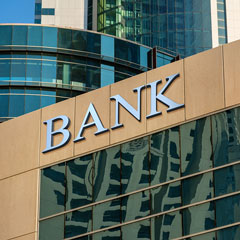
135 165
52 228
32 103
139 230
46 101
78 222
64 38
34 36
19 35
50 37
5 66
49 72
79 182
197 188
226 180
194 222
226 140
107 173
162 227
16 105
4 99
52 193
6 35
79 41
166 197
165 161
33 71
196 150
227 210
135 206
18 71
106 214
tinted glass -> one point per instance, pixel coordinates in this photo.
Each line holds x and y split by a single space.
50 37
6 35
79 182
20 35
53 190
34 36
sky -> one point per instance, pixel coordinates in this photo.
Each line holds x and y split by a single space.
17 11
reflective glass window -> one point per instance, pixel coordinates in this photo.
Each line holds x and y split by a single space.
16 103
107 75
166 197
34 68
229 233
107 173
18 71
107 47
194 222
64 38
49 72
46 101
6 35
144 56
197 188
227 210
79 40
135 165
226 140
106 214
32 101
79 182
162 226
64 73
226 180
196 149
34 36
165 159
78 222
5 68
4 102
52 197
19 35
112 234
94 42
135 206
50 37
52 228
139 230
93 77
78 77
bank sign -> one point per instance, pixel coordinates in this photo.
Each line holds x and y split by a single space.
119 101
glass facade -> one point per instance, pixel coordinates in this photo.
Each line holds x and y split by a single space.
222 27
67 61
181 183
181 26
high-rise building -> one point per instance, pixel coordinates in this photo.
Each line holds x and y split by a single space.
183 26
71 13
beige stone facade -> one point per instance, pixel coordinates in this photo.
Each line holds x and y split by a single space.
208 83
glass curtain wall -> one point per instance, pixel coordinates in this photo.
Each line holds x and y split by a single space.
178 183
181 26
38 59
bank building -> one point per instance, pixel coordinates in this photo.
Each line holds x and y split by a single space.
106 138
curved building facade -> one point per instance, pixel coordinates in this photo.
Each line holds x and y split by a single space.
42 65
